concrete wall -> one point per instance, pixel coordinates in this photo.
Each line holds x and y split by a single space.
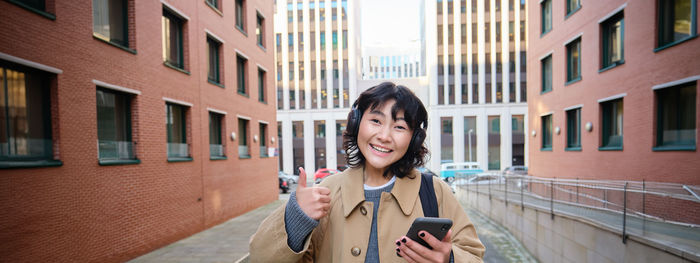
564 238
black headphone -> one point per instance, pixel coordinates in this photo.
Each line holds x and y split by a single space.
355 117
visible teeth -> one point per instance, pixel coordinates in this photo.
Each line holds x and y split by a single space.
380 149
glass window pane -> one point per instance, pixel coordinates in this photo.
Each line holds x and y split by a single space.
494 141
612 123
341 159
176 128
114 125
677 115
446 140
243 150
25 117
470 139
518 139
109 21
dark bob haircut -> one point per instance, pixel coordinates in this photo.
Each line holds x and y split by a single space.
414 113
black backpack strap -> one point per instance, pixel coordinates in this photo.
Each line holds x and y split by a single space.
427 196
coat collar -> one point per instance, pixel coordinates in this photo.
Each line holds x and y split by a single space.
405 190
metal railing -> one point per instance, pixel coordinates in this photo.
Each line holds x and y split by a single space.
665 213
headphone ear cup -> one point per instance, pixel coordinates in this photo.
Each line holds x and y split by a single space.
354 121
417 139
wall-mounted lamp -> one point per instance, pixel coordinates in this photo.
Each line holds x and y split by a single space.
557 130
589 126
272 140
255 138
233 136
534 133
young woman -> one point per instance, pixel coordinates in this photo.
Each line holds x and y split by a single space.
363 213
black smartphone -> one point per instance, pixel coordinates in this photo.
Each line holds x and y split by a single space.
437 227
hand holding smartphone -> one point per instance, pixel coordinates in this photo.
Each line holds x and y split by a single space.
438 227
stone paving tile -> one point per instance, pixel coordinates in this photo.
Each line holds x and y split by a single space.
226 242
501 246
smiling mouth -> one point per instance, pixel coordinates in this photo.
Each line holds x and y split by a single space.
380 149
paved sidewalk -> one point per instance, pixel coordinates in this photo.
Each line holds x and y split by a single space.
226 242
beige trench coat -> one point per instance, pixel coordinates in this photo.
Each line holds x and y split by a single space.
346 228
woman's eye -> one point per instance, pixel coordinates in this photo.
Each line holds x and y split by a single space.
374 120
401 127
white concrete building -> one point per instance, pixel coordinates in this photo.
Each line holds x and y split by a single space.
462 89
467 91
318 66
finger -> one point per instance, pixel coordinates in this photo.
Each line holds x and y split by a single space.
323 190
448 237
326 199
302 178
430 239
409 252
403 255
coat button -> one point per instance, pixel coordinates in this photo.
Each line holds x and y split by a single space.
355 251
363 210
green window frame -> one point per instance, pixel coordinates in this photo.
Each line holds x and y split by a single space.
25 117
243 147
240 15
676 117
173 49
241 70
260 30
261 85
572 6
613 41
546 73
677 22
213 71
114 133
263 139
176 126
546 16
36 6
213 3
573 61
216 145
612 125
546 133
110 21
573 130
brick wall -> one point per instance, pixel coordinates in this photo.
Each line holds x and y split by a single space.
82 211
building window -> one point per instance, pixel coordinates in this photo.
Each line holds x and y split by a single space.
213 73
546 74
173 53
613 41
213 3
677 21
110 21
573 61
612 125
547 133
676 117
114 125
243 151
260 30
261 85
494 143
263 140
37 6
176 125
241 65
240 15
320 144
573 129
446 140
572 6
470 141
25 114
216 146
546 21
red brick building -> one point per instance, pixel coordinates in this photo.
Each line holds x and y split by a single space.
127 125
613 90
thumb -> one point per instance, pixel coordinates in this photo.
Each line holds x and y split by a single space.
302 178
448 236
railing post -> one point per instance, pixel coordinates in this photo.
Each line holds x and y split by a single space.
489 189
624 216
505 193
522 203
551 197
577 190
644 197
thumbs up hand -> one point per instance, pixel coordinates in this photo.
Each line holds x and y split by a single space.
314 201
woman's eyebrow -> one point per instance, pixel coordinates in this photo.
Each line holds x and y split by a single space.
377 112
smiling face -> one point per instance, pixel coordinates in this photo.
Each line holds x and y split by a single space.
381 139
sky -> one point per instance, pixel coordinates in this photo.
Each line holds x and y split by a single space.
390 21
